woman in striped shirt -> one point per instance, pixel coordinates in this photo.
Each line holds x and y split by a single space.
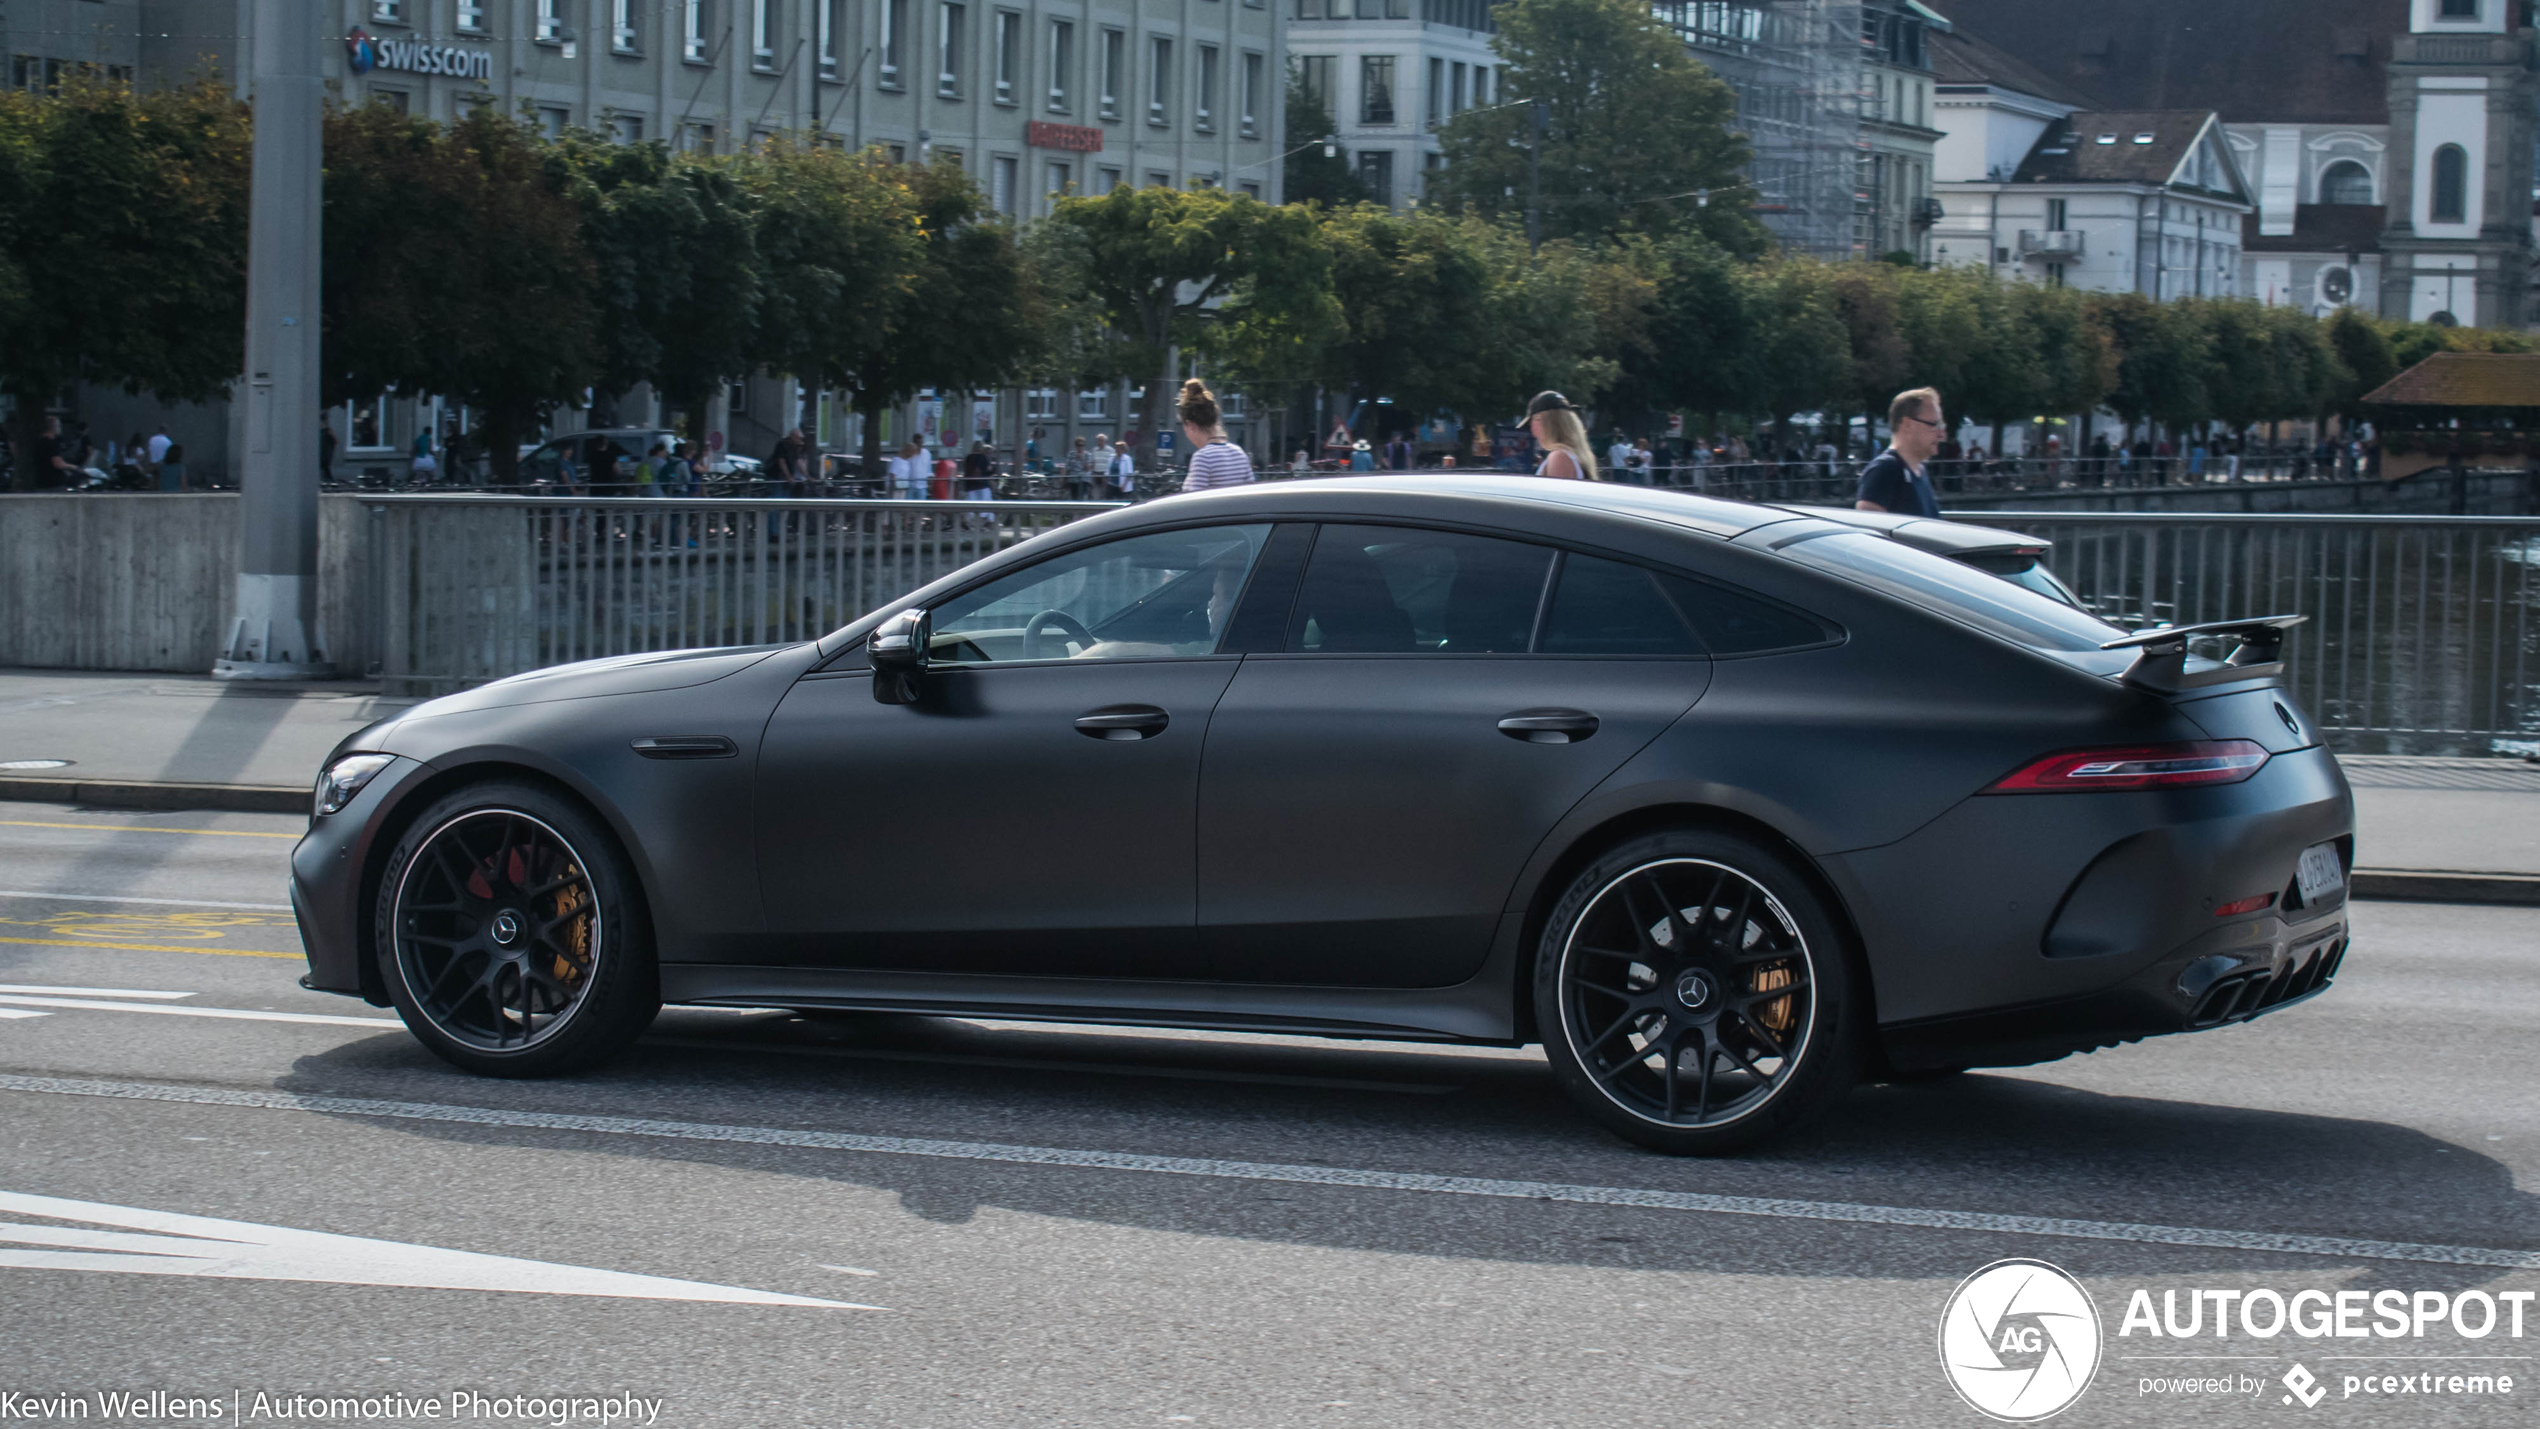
1215 461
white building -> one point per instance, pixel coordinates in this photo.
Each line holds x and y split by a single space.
1390 72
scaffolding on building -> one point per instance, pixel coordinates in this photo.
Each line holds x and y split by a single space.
1797 68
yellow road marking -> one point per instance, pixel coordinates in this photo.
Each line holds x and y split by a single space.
142 829
153 948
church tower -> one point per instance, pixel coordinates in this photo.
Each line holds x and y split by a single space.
2462 94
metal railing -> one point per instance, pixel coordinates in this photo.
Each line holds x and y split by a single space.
2424 631
465 589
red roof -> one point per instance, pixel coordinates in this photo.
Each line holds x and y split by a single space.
2465 379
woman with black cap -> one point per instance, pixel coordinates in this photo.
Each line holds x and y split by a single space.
1563 437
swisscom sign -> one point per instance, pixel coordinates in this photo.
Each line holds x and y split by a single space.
421 56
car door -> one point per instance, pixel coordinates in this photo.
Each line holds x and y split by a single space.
1442 699
1032 812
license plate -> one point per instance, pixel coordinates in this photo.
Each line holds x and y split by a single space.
2319 873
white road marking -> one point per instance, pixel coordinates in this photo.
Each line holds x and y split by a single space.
10 1012
38 989
129 898
240 1014
243 1250
1775 1208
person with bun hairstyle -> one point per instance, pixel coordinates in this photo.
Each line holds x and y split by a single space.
1563 437
1215 461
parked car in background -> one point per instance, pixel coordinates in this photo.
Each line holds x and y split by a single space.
596 456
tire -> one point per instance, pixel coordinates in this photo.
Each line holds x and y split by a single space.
1692 1052
513 935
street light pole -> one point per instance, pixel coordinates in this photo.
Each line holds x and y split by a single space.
1534 174
273 632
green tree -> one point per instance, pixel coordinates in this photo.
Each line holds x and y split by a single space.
1701 301
1311 176
675 250
456 264
1866 300
1801 358
2163 356
1169 266
127 247
961 313
1636 134
2364 359
1414 309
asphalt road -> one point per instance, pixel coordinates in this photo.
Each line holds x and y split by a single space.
1122 1227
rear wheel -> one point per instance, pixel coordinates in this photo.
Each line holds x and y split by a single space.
512 935
1695 994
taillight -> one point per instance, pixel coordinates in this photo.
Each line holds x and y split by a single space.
2138 766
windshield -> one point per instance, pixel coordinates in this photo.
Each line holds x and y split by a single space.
1988 602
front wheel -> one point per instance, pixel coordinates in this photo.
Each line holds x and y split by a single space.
512 935
1695 994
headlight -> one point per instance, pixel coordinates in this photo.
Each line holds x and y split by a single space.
345 777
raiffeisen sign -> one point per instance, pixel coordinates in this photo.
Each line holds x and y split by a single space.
367 52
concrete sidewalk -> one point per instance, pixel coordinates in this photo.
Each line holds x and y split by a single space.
2450 830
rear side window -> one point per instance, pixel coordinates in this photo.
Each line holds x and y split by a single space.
1401 589
1985 601
1734 623
1604 607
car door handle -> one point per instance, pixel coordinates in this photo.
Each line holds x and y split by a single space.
686 746
1123 722
1549 726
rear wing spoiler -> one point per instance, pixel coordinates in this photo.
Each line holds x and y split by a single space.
2160 661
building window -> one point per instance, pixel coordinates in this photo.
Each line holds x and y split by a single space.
693 45
1062 182
1253 64
1001 175
948 38
696 139
622 36
1456 76
1093 404
1009 55
550 22
1158 179
2460 9
552 120
1115 46
1251 190
1375 89
392 11
627 128
1109 179
1062 63
763 34
1205 111
1159 78
2055 214
1481 85
1315 73
827 19
2451 185
1375 170
2346 182
894 29
1433 98
1040 404
1313 9
472 16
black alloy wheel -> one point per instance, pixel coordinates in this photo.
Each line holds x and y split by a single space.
1694 996
511 937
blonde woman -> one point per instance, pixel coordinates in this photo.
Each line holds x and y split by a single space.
1563 437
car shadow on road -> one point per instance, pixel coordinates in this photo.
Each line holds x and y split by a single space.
2014 1145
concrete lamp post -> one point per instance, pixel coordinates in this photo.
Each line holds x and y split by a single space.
273 633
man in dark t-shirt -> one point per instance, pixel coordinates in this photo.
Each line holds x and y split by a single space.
50 470
1894 479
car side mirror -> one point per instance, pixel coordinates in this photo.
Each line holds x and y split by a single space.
897 652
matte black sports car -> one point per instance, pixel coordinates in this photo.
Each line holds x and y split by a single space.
1726 805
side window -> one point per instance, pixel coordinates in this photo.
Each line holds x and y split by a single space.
1733 623
539 465
1163 594
1402 589
1602 607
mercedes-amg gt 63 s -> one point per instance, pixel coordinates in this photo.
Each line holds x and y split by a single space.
1728 806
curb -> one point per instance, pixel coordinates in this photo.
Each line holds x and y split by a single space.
157 794
2434 886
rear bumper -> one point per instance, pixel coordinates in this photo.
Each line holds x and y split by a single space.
2230 975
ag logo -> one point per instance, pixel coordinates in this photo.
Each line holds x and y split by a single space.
2020 1340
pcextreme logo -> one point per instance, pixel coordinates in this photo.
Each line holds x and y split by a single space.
2020 1340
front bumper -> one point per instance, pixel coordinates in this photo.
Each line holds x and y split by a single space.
330 895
